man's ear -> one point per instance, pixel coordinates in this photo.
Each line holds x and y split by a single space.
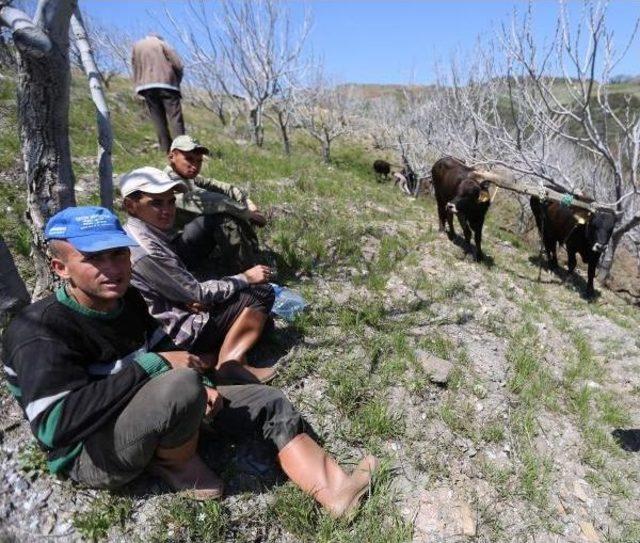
59 267
129 205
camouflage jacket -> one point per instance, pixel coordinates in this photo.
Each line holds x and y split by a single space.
210 196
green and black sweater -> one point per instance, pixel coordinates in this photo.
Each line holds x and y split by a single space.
73 369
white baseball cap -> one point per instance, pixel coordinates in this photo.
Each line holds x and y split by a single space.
150 180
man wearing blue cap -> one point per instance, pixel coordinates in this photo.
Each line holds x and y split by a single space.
105 406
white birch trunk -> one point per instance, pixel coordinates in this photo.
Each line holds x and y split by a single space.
105 134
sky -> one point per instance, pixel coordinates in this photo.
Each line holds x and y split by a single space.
391 41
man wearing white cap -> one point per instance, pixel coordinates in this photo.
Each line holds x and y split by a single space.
220 216
201 316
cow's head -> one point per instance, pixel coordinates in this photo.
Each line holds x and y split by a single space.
599 228
470 193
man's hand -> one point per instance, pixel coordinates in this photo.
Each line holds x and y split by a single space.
214 403
258 274
195 307
257 218
184 359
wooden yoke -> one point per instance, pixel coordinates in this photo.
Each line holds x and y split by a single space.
544 193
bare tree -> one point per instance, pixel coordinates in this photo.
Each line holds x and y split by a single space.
250 53
580 108
111 50
213 85
550 113
43 110
105 135
321 111
281 111
42 43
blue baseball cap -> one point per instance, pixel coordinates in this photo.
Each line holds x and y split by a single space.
88 228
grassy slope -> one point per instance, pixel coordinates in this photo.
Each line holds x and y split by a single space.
382 285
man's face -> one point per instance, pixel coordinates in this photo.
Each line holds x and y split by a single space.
158 210
186 164
96 280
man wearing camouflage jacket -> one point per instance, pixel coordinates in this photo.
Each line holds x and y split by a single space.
217 217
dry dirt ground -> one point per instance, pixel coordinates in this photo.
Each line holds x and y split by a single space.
532 435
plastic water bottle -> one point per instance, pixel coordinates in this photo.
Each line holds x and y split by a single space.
288 303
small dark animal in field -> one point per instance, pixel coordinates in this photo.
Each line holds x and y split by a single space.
382 169
462 191
579 230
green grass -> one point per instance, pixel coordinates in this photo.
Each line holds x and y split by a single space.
352 359
105 512
181 519
376 522
32 459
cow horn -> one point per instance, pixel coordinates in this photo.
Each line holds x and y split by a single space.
581 216
489 176
484 196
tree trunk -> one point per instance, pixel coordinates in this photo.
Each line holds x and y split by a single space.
13 292
255 116
105 135
326 150
284 132
43 111
220 113
604 269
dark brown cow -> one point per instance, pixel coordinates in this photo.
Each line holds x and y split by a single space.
461 190
578 230
382 169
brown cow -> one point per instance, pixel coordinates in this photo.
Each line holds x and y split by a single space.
463 191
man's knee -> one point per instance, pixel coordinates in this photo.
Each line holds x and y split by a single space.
261 298
180 395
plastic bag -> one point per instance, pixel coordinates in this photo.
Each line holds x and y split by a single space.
288 303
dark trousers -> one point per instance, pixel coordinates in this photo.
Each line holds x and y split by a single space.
164 106
166 412
219 243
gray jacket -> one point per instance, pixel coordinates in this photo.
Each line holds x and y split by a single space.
167 286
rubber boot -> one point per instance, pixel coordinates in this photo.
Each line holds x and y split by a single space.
310 467
184 471
241 337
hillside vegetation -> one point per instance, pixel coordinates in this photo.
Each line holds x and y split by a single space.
529 435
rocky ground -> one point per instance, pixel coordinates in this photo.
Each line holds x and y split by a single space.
505 407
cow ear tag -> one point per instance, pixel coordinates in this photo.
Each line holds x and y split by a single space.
580 217
484 196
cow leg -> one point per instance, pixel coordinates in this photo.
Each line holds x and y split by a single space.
452 230
442 215
464 223
477 231
591 273
552 257
571 263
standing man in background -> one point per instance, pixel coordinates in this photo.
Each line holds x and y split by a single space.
157 73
